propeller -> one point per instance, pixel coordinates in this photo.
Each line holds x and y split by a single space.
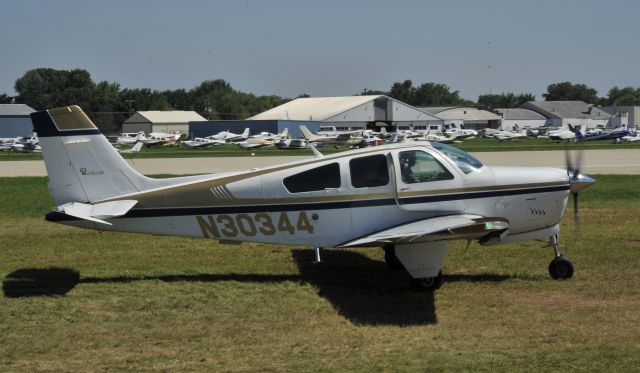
577 183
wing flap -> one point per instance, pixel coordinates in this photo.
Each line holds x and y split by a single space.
99 211
449 227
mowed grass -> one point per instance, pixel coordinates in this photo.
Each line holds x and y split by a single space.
79 300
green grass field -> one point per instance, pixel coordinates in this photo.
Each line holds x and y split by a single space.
472 145
79 300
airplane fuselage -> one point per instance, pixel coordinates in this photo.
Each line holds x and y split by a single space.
325 202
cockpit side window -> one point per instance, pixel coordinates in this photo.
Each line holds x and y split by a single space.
417 166
316 179
370 171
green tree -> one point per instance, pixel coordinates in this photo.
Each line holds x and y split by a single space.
5 99
567 91
504 100
371 92
436 94
179 99
144 99
44 88
403 91
627 96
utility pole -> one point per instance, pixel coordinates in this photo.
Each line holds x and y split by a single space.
130 101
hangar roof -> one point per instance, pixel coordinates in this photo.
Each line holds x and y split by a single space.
13 110
520 114
566 109
464 113
436 109
174 116
314 108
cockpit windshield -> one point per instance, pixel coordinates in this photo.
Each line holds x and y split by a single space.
462 159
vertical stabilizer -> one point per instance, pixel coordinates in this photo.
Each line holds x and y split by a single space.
82 165
307 134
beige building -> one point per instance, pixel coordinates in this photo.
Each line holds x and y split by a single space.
161 121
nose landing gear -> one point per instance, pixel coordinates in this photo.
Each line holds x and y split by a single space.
560 267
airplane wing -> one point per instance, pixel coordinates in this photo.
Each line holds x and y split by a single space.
449 227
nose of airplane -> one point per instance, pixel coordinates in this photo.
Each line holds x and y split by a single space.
579 182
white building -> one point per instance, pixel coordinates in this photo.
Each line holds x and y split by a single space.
514 118
469 117
161 121
577 113
352 112
622 114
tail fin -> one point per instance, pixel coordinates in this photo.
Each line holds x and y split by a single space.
81 164
284 133
246 133
307 134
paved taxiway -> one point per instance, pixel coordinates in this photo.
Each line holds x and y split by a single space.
614 161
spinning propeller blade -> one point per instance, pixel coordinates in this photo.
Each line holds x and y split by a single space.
577 182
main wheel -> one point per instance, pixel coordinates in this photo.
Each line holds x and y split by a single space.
428 283
560 268
391 259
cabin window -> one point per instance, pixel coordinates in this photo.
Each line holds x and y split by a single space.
419 167
368 172
317 179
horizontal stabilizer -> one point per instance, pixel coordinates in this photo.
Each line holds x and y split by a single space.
99 211
450 227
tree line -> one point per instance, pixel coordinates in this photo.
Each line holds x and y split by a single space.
109 104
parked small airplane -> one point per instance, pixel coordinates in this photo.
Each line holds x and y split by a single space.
504 135
569 133
461 133
255 143
436 137
631 137
127 138
263 139
228 136
344 139
409 199
614 135
202 142
26 144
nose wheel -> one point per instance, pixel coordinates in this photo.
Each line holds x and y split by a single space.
560 267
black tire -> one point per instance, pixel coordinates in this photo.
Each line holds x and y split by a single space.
428 283
561 269
391 259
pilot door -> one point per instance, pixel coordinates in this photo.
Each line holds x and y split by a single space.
426 181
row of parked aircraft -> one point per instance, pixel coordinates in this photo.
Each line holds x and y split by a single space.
569 133
350 139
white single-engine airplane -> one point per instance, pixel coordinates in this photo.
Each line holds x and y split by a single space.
409 199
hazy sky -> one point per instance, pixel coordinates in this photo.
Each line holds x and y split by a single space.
327 48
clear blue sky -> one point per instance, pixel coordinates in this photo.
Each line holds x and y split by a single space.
327 48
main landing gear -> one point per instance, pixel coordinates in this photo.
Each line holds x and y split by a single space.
560 267
424 283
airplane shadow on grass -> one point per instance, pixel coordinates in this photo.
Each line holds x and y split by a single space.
362 290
